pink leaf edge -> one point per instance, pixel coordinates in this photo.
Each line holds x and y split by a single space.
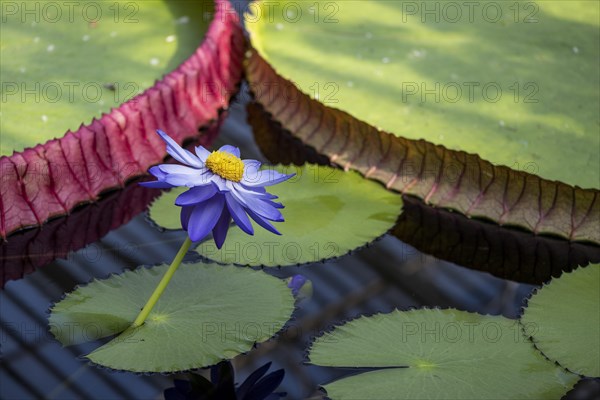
51 179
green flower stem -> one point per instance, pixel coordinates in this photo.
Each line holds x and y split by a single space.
162 284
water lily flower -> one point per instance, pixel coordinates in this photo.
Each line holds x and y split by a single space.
258 385
221 186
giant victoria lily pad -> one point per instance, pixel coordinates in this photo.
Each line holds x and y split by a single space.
354 87
112 52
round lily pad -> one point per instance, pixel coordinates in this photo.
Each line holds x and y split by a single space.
163 210
438 354
328 212
208 313
563 319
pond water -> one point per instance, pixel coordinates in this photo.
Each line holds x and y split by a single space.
38 268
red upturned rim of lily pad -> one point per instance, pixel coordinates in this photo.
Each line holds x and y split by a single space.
51 179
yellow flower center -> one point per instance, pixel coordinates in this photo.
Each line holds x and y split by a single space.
226 165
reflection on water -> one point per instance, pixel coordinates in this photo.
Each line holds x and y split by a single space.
387 275
28 250
506 253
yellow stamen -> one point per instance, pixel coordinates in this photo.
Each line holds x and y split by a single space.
226 165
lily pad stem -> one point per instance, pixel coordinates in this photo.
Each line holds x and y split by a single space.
162 284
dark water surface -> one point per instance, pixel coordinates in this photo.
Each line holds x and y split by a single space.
389 274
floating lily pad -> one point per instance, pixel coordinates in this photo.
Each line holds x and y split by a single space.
564 320
207 313
328 212
438 354
163 210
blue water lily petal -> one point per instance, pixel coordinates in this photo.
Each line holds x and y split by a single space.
223 187
204 218
179 153
238 214
265 178
221 228
263 222
160 183
231 150
196 195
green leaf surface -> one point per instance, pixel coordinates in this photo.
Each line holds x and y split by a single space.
442 177
438 354
63 64
515 82
207 313
163 210
563 319
328 212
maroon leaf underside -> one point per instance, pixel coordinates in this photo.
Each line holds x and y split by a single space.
51 179
506 253
441 177
28 250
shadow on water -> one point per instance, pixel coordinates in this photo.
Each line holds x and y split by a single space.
504 252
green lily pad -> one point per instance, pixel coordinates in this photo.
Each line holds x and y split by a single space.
207 313
565 315
63 64
514 82
438 354
163 210
328 212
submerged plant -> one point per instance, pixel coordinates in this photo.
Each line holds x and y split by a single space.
221 186
257 386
